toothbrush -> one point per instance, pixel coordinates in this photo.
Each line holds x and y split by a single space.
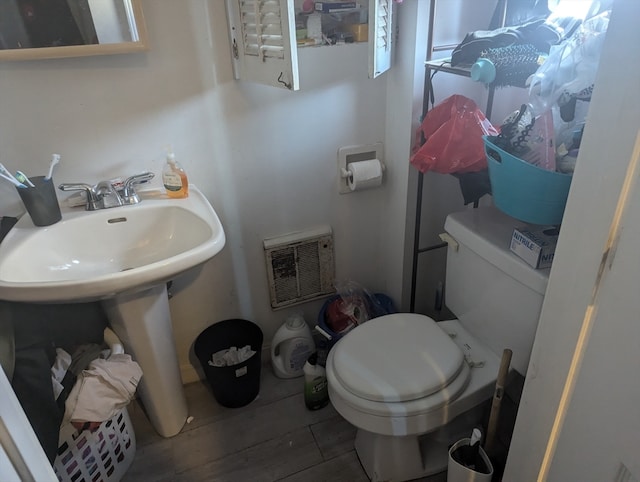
12 180
55 159
7 175
20 176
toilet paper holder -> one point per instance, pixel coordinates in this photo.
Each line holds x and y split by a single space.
352 154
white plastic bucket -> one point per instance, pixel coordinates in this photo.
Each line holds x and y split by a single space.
457 472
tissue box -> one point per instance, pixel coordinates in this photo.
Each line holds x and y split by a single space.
535 246
331 7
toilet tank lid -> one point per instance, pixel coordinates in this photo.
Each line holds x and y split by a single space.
487 232
397 358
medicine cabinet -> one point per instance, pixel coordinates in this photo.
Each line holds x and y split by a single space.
264 46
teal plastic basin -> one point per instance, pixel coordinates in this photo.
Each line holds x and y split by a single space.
524 191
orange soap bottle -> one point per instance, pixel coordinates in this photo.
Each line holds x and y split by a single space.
174 178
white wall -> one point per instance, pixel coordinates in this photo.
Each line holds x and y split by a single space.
265 158
602 425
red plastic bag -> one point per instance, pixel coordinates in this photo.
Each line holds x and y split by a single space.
453 131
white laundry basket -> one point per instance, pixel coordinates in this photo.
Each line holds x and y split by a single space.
103 455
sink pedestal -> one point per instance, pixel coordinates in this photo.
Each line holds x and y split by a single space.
142 321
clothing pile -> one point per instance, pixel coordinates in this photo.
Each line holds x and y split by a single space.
60 368
94 384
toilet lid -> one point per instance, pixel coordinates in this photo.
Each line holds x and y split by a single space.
397 358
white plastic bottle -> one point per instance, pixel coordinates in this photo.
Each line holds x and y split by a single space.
174 178
291 347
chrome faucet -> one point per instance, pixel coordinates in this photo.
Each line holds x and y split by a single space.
128 193
93 202
107 195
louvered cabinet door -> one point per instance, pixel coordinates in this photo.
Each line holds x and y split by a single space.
263 41
381 36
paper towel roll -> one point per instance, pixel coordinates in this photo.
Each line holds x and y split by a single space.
365 174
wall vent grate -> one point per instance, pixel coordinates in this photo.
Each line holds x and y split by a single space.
300 267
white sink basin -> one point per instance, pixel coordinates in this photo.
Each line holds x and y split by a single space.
122 256
97 254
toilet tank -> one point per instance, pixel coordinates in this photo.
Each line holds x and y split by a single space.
495 294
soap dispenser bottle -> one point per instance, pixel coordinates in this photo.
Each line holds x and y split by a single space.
174 178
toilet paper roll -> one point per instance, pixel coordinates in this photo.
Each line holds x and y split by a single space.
365 174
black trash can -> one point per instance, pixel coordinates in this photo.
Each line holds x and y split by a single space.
237 385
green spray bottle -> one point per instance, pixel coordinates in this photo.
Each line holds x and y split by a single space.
316 393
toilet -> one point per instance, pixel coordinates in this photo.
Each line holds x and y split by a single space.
413 386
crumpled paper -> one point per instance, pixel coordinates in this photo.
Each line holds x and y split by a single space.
231 356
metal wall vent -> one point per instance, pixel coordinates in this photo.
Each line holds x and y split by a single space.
300 266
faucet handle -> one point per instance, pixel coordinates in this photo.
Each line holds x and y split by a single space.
92 198
129 195
141 178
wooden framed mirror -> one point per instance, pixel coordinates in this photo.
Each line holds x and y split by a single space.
46 29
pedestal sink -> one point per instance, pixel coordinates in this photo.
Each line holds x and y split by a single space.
123 256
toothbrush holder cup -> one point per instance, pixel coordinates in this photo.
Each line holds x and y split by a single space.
41 201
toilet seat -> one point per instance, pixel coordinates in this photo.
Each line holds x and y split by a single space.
457 394
397 358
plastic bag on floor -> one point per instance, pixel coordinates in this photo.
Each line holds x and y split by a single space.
352 306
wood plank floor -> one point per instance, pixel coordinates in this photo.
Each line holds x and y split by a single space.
274 438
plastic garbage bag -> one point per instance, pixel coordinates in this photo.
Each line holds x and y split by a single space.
453 131
569 72
352 306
